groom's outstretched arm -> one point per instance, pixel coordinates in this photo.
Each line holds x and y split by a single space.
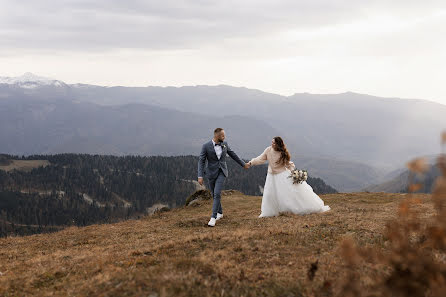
202 161
234 156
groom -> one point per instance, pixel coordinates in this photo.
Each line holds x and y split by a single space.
215 152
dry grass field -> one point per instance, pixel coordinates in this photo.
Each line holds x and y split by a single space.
175 254
24 165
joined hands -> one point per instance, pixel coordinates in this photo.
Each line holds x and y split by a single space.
247 166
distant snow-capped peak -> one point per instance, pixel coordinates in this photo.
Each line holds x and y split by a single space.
30 80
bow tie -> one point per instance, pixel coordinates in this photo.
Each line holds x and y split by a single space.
218 144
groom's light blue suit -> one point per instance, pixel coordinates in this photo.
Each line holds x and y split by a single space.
217 170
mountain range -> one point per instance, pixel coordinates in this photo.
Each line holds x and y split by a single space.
350 140
400 182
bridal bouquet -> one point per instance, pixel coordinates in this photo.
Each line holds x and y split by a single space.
298 176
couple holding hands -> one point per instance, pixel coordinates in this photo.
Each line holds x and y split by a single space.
279 192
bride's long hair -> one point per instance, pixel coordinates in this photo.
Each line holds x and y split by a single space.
285 156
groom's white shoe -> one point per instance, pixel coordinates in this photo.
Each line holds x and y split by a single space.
212 222
219 216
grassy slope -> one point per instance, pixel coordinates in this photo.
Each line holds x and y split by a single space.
174 253
25 165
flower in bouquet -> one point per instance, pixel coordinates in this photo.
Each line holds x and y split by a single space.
298 175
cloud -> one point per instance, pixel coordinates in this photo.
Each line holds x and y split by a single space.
158 25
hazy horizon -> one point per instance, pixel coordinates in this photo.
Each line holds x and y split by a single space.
217 85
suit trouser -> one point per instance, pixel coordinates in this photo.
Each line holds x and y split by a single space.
216 185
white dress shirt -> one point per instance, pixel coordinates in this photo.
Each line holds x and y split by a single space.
218 149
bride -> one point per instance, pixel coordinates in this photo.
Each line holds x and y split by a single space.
279 193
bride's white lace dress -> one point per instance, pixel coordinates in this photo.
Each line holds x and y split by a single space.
279 192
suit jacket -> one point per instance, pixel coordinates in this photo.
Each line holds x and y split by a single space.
214 164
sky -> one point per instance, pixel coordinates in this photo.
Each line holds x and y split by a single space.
384 48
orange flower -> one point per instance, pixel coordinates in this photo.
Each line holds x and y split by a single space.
441 162
418 165
415 187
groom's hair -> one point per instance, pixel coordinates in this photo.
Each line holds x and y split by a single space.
218 130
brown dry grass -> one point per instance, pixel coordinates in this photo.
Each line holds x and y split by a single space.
24 165
176 254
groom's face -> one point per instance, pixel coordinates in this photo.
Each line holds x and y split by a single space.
221 136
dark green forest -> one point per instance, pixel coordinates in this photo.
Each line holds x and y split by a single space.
82 189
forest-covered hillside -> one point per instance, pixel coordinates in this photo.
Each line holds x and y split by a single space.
82 189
